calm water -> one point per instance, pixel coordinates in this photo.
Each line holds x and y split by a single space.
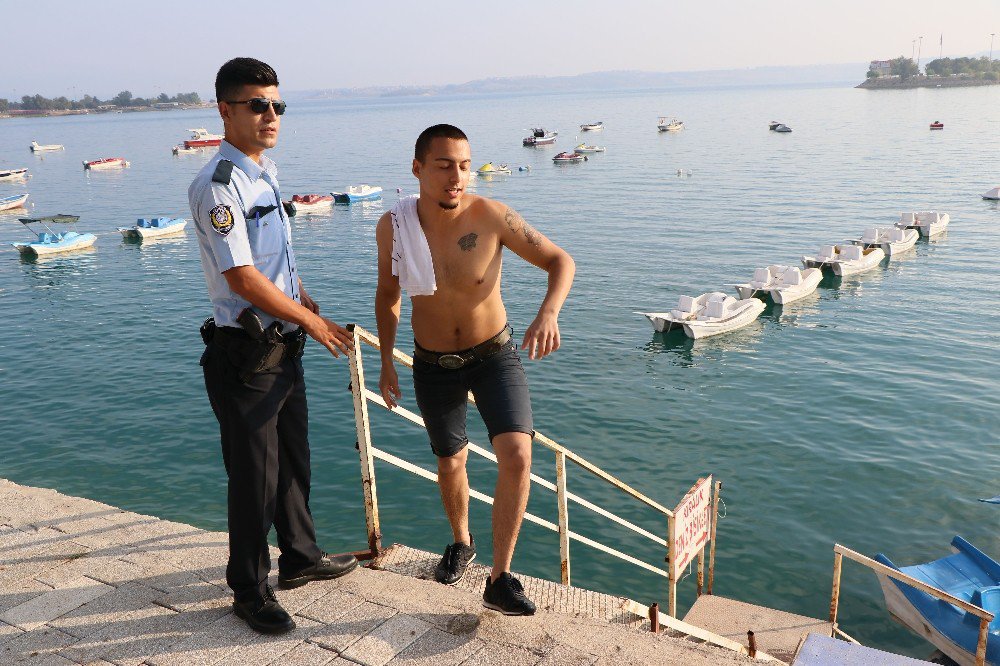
866 415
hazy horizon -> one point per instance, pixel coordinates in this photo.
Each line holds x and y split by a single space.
152 49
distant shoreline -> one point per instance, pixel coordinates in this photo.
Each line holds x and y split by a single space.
895 83
39 113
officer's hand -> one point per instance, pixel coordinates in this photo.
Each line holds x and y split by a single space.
308 303
330 335
388 384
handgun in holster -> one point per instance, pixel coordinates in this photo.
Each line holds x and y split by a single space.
268 349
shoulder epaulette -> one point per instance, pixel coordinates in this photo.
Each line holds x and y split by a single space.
223 172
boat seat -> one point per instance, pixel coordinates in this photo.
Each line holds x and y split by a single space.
761 278
827 252
791 277
851 253
907 218
987 598
717 297
715 309
870 235
687 304
895 235
928 216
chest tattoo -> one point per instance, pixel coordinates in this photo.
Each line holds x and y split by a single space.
468 242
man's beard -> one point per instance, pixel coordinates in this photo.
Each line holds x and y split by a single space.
449 206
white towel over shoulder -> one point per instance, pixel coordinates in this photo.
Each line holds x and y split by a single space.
411 255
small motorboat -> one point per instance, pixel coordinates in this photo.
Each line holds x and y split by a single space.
567 157
153 227
968 574
669 125
40 148
773 125
61 218
710 314
310 203
201 138
592 127
50 242
929 222
782 128
13 201
937 125
845 259
13 174
784 284
357 193
584 148
182 150
106 163
892 240
993 195
490 169
539 137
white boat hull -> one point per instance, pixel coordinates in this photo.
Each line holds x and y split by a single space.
903 612
305 209
17 203
105 166
933 229
865 263
697 329
152 232
36 148
41 249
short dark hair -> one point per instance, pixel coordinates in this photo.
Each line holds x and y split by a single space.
242 72
423 145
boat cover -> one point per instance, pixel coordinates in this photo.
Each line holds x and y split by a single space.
970 575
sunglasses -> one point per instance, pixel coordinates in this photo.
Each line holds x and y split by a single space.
259 105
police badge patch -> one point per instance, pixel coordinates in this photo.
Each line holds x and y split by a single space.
222 219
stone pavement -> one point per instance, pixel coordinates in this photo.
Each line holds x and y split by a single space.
86 583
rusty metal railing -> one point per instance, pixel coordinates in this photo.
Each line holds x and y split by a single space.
369 453
840 552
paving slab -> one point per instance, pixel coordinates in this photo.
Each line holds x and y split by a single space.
56 603
308 654
343 632
31 644
266 649
379 646
437 647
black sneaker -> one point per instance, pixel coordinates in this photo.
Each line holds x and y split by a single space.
507 596
455 562
264 614
328 567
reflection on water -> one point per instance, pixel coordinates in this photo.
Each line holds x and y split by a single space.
795 314
685 352
54 269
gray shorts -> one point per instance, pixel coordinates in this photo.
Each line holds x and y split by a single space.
499 386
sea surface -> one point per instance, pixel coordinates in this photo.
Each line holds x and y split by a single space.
866 415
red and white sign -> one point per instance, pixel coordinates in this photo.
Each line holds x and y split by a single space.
691 525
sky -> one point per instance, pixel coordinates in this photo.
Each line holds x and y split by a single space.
63 47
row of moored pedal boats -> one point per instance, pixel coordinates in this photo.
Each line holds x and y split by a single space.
716 312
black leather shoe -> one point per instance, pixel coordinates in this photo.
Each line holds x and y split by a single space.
264 614
455 562
328 567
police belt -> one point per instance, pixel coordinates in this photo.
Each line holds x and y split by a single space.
459 359
239 341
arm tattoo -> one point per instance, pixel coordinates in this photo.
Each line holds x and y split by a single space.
513 220
468 242
532 236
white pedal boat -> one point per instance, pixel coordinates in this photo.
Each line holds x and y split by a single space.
154 227
784 284
928 222
845 259
710 314
892 240
41 148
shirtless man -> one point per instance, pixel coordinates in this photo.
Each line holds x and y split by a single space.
463 343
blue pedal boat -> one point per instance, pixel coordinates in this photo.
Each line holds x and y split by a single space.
357 193
970 575
154 227
52 243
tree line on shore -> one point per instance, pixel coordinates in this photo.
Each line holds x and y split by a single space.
983 68
124 99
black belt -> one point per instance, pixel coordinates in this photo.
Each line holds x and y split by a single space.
456 360
291 346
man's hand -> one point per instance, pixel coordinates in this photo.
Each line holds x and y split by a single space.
542 337
308 303
330 335
388 384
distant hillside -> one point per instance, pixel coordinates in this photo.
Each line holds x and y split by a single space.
623 80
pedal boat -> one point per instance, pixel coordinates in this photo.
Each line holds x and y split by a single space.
783 284
671 125
51 243
892 240
41 148
845 260
13 201
710 314
968 574
357 193
309 203
153 228
13 174
928 222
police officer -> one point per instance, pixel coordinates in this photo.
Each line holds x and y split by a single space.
252 364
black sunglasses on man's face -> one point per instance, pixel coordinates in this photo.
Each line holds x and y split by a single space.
259 105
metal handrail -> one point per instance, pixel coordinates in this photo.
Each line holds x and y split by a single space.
840 552
369 453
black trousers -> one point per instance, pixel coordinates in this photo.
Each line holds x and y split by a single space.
265 447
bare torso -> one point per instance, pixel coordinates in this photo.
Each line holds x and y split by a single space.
466 309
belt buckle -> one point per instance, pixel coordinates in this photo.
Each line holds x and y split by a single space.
451 361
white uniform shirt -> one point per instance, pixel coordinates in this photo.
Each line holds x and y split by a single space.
233 232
